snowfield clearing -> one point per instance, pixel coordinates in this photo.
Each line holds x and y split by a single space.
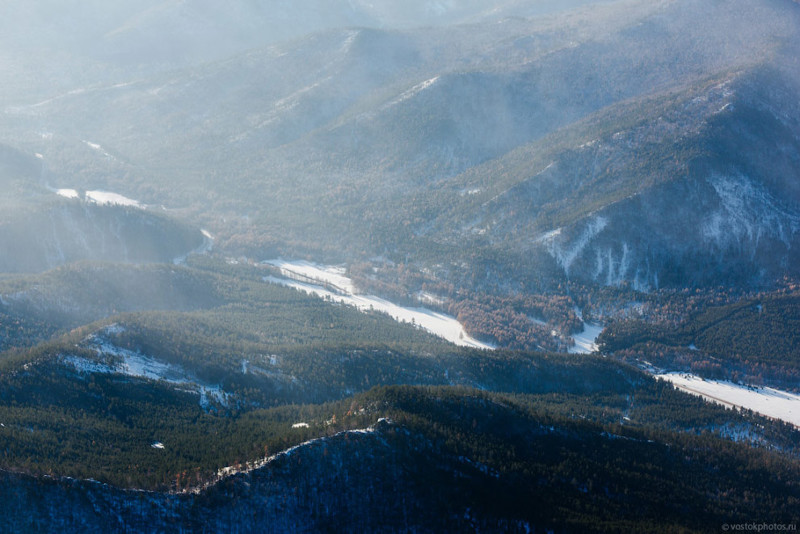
101 197
67 193
106 197
330 283
305 271
765 401
586 341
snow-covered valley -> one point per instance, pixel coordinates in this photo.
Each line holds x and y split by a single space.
763 400
330 283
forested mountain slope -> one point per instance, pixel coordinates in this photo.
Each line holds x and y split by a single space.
352 127
618 177
441 461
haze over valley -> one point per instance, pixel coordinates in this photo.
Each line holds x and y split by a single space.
447 265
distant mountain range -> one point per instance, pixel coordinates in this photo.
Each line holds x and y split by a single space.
625 140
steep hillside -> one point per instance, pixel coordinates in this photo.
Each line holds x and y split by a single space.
76 294
64 231
401 141
58 45
753 340
680 195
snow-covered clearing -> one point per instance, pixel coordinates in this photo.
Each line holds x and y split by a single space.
330 283
304 271
67 193
548 236
95 146
106 197
586 341
100 197
765 401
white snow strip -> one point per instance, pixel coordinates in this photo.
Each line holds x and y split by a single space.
548 236
157 445
99 148
586 341
67 193
765 401
106 197
300 425
204 248
306 277
306 271
83 365
412 92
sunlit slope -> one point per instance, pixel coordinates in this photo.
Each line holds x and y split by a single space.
570 136
41 228
33 307
690 188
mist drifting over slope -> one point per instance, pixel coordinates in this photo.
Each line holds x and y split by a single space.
348 114
424 260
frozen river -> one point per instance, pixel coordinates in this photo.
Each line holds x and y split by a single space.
330 282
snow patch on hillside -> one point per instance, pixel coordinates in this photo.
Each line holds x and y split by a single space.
329 276
567 251
100 197
412 92
548 237
117 360
98 148
291 101
586 341
747 213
